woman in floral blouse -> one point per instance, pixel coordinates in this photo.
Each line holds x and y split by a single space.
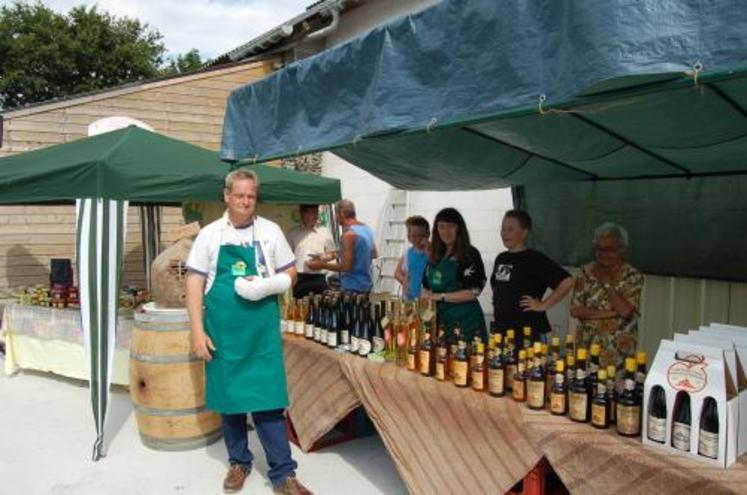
606 297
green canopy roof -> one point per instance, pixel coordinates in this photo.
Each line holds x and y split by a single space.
145 167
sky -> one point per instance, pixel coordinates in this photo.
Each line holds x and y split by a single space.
212 26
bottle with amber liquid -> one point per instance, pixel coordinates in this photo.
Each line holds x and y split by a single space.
570 348
518 391
570 375
612 393
453 349
600 408
536 382
412 349
552 359
427 361
526 342
592 378
473 351
442 351
460 365
496 378
628 405
579 402
478 371
509 360
558 393
402 333
389 324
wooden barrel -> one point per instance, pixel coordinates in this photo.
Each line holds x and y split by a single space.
167 383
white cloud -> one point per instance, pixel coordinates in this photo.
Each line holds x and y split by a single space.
212 26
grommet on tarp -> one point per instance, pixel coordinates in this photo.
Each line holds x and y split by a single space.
697 69
357 139
542 98
430 125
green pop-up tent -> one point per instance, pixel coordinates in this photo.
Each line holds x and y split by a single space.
103 174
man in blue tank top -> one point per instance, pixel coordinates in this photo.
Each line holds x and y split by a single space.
357 252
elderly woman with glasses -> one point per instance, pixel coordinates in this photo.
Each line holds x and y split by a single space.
606 297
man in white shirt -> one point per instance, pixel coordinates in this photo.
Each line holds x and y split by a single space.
237 266
310 240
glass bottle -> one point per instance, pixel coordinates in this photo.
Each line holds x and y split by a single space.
628 405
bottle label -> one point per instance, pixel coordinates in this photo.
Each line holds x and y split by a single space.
317 334
628 419
460 373
580 375
364 347
354 344
411 361
557 403
510 372
681 436
300 325
640 377
324 335
284 326
425 362
599 415
401 339
708 444
378 345
657 429
536 394
440 373
593 368
332 339
344 337
496 382
478 380
519 393
309 331
578 406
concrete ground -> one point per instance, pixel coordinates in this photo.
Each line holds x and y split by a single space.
47 434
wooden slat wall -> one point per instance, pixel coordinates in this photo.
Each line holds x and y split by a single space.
190 108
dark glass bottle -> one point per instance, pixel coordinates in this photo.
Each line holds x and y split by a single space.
536 383
600 408
427 356
333 332
318 316
496 374
310 317
355 329
559 394
579 402
681 422
628 405
347 321
518 391
612 393
708 439
640 374
442 351
656 422
510 362
326 317
461 364
591 377
365 339
378 343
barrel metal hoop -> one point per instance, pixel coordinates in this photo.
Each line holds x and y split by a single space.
150 411
181 443
168 359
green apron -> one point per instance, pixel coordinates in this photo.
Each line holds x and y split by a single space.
247 373
444 277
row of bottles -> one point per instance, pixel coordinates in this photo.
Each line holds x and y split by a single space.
682 422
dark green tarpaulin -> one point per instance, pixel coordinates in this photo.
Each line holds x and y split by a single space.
143 167
617 110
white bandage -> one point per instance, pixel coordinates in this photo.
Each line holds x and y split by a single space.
259 288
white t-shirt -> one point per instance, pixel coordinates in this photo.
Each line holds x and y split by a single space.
273 254
306 241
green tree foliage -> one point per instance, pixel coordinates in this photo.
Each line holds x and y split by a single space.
45 55
180 64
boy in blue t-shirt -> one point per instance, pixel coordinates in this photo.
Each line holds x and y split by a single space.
411 266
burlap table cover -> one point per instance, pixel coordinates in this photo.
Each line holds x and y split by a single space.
591 461
443 439
320 395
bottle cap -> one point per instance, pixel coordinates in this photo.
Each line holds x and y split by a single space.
611 371
559 366
522 354
480 347
527 331
602 375
570 360
581 353
498 338
569 338
641 357
537 347
630 364
544 349
555 341
595 349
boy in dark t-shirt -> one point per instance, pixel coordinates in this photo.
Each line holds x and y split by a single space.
520 278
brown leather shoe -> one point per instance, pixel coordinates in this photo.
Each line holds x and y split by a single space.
235 478
291 486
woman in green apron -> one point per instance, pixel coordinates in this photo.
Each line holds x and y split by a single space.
244 261
455 276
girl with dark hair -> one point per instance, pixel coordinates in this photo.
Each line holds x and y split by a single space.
455 276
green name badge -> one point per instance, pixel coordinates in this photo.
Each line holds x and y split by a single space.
238 269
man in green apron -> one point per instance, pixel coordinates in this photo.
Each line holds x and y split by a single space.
237 266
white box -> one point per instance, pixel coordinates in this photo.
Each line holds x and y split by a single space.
703 371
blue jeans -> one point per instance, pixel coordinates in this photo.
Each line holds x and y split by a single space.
273 435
